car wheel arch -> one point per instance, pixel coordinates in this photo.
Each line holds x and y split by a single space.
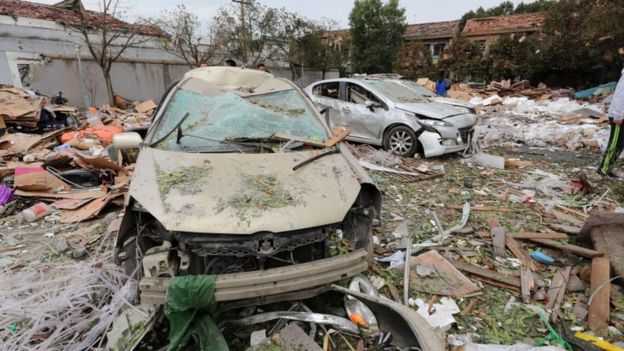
389 127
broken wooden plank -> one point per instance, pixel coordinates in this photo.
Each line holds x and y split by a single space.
569 229
610 240
498 241
433 274
521 254
486 273
527 284
469 307
573 211
338 134
598 319
578 250
567 218
557 290
526 235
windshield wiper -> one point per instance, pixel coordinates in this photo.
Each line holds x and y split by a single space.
176 127
316 157
235 142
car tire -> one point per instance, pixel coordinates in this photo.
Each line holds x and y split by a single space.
402 141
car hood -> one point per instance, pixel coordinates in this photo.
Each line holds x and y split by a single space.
452 102
434 110
233 193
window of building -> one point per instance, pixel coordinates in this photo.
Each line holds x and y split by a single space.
438 49
481 44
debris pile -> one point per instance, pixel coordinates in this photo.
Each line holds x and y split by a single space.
62 168
519 269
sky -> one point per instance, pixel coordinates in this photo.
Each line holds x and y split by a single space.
417 11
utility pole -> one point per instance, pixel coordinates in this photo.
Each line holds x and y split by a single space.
243 30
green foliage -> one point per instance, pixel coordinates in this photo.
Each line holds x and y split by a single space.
511 56
414 60
463 59
507 8
318 50
377 33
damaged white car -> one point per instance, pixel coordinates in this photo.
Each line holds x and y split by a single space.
392 114
234 180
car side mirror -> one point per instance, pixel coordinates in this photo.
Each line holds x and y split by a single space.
126 141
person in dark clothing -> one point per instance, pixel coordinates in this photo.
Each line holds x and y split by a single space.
443 84
616 138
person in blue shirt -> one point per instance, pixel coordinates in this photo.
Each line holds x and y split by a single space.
443 84
616 137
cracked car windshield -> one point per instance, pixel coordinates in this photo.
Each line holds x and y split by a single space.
225 116
397 92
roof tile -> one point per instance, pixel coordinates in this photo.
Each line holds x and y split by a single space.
17 8
526 22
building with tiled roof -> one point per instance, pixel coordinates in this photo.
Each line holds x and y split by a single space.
436 36
487 30
68 13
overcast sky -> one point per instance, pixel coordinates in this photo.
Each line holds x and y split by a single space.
417 11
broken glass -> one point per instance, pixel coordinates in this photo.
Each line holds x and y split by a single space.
232 116
397 92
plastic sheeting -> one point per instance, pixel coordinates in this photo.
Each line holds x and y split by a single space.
232 116
192 309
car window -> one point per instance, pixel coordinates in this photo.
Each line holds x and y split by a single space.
329 90
229 114
358 95
396 92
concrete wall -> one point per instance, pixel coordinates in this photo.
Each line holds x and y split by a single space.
134 81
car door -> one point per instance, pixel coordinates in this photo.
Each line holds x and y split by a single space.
326 95
365 123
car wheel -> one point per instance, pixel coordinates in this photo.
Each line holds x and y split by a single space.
402 141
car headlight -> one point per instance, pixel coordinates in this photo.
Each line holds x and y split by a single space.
435 123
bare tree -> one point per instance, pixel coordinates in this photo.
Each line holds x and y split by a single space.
191 41
289 32
248 34
107 38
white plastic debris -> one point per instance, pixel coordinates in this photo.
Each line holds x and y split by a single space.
394 259
442 312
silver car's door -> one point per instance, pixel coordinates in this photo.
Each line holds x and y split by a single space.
365 122
327 96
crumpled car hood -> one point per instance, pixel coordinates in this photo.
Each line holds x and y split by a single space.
434 110
234 193
452 102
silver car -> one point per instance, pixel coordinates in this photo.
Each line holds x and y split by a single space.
399 115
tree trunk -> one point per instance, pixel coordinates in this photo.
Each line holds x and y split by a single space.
109 88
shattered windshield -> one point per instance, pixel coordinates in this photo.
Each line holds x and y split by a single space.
231 115
397 92
419 89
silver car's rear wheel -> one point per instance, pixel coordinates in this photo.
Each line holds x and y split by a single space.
401 140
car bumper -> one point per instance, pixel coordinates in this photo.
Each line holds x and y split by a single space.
275 281
433 146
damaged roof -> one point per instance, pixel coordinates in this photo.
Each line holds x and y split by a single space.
526 22
69 15
431 30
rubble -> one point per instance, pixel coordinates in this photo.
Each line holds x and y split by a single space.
517 241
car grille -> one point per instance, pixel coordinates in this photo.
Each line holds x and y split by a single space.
465 133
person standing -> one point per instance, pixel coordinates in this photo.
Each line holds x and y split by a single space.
443 84
616 138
